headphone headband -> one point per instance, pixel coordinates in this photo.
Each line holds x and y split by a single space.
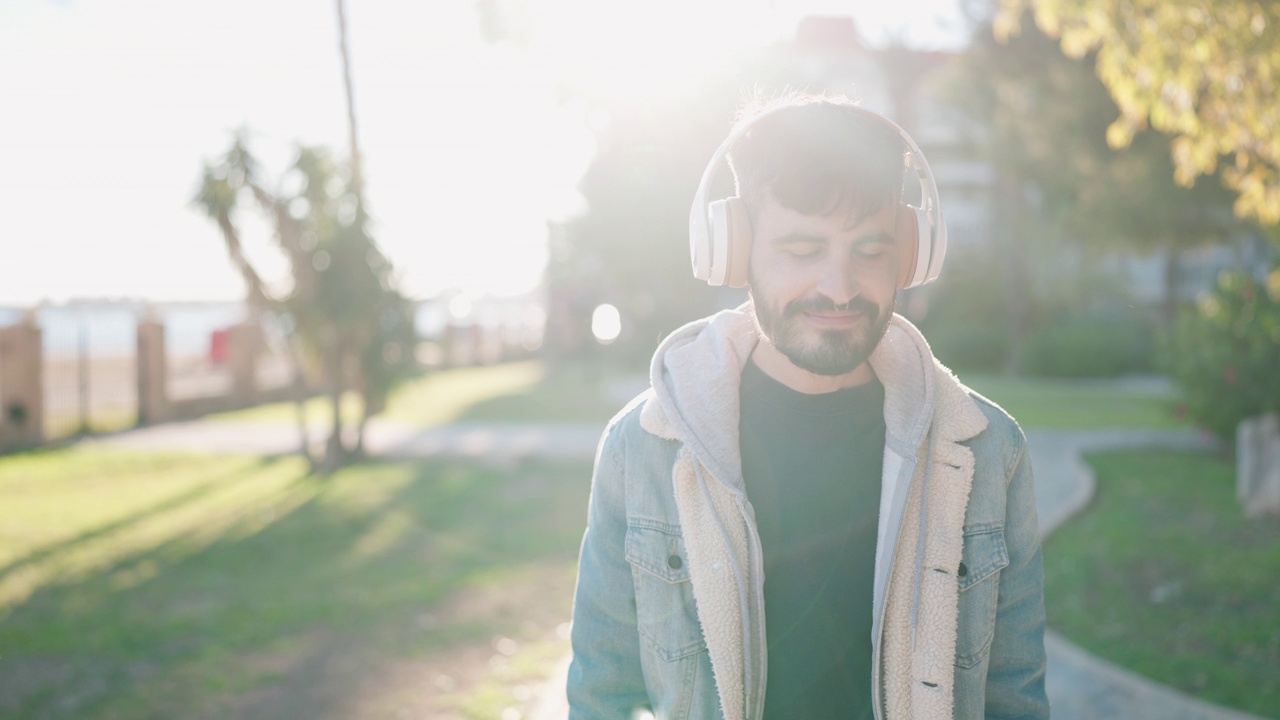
932 228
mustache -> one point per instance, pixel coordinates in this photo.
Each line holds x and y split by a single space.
825 304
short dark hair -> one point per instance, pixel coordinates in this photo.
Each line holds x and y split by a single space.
818 155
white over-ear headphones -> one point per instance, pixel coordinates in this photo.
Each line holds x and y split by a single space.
720 233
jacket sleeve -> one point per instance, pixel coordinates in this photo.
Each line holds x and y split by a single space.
1015 675
605 677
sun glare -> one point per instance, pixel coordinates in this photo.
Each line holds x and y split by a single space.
470 146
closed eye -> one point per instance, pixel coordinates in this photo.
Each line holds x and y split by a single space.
803 253
873 246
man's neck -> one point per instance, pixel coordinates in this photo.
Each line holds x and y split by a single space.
777 366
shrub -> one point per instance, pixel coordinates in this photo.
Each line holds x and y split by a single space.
1225 352
971 345
968 323
1090 346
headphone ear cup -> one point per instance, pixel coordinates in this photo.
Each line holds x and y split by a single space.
908 244
719 266
700 247
738 262
937 247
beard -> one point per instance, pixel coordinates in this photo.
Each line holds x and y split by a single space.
821 352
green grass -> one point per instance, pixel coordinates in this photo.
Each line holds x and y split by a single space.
1061 403
1164 576
525 392
67 423
510 392
157 586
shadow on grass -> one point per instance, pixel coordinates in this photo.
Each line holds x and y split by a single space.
167 505
317 588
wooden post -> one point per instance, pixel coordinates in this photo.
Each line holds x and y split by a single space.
21 385
243 345
153 372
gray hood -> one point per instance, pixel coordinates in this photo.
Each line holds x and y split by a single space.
696 374
696 378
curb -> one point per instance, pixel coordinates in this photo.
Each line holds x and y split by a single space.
1121 693
1128 691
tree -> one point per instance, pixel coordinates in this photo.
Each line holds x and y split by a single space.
1047 117
630 248
344 313
1204 73
357 164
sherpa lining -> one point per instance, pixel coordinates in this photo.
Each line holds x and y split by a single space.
695 377
919 680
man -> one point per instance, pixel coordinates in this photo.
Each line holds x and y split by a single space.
806 515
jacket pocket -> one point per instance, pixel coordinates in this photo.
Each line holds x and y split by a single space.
982 559
665 612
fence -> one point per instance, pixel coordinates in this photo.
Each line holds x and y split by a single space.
69 370
89 370
21 406
98 367
244 364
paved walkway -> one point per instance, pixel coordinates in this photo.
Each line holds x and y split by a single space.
1080 686
498 443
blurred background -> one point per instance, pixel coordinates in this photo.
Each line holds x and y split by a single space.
311 315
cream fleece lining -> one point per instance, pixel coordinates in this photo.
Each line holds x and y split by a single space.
696 374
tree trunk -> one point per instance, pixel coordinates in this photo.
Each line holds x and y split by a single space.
1172 274
300 405
335 451
369 407
357 178
1011 239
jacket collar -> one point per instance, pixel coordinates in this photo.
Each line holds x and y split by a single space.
696 375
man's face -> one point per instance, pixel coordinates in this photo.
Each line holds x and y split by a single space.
823 286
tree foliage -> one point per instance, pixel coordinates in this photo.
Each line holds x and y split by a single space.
1205 73
1046 117
1225 351
344 315
631 247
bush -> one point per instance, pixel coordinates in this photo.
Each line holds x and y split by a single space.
968 323
1090 346
974 346
1225 352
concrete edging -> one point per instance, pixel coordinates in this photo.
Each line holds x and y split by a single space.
1120 693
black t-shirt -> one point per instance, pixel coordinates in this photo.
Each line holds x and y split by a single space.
812 469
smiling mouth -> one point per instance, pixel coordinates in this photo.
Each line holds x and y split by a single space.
834 318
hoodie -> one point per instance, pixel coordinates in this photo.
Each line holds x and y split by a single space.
928 473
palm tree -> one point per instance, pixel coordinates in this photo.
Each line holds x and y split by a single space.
346 316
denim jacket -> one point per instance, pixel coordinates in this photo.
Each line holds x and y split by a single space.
668 613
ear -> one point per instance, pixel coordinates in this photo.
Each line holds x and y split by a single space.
907 241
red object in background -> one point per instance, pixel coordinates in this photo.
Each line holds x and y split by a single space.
219 340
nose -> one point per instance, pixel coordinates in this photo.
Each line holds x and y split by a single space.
838 282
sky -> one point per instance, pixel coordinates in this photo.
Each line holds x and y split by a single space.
110 107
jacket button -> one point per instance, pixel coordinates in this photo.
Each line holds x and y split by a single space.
963 570
674 562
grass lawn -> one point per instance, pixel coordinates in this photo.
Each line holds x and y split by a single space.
525 392
510 392
1066 403
161 586
1164 576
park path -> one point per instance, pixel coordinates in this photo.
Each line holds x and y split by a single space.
500 443
1080 685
